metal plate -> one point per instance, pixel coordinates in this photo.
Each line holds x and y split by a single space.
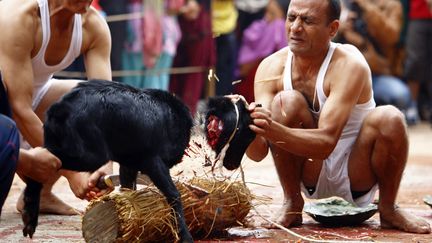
337 212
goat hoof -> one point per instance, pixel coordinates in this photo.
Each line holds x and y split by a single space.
28 230
30 223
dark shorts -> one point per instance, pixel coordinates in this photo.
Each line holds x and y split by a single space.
418 63
4 103
9 146
9 149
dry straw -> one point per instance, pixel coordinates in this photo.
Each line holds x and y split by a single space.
209 206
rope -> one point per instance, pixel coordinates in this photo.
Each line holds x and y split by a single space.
123 17
127 73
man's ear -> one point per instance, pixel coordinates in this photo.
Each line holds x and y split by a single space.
334 27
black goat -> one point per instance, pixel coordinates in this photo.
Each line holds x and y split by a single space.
227 129
98 121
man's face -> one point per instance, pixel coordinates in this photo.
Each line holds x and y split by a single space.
307 26
78 6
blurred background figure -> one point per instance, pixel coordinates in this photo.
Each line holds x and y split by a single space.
158 71
374 27
132 56
262 38
248 12
224 22
418 65
196 49
143 42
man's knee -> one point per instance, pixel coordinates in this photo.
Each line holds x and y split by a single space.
290 108
390 122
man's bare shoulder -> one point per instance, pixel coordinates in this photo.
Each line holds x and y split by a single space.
94 26
349 64
351 55
18 21
17 9
273 65
94 22
348 58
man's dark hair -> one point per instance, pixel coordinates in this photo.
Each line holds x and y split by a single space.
334 10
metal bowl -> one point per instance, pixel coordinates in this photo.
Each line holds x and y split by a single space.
338 212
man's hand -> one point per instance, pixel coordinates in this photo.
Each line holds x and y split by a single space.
261 118
93 191
83 184
39 164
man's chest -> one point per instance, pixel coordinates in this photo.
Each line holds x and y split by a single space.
58 42
305 85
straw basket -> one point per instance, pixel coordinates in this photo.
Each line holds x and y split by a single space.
144 215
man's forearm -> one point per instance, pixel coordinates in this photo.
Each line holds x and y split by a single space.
24 164
258 149
30 127
107 168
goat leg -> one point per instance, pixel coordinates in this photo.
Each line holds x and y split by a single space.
159 174
30 212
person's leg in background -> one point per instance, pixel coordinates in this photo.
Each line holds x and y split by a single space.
158 78
390 90
9 149
166 61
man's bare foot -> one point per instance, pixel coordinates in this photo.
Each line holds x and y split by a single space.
288 216
402 220
49 204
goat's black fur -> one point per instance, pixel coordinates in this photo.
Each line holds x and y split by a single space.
98 121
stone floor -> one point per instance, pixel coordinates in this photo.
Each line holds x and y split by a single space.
262 180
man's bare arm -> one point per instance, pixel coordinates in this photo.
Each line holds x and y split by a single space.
267 76
98 47
345 90
16 44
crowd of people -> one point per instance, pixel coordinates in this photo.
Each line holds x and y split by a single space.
231 37
341 60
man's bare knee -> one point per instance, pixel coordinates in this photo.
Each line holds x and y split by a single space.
391 122
290 108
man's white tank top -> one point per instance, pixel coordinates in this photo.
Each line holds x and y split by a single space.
359 111
41 71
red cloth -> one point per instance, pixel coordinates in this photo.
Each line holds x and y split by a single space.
196 49
419 10
246 86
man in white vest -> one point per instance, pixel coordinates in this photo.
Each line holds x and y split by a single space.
39 38
318 118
